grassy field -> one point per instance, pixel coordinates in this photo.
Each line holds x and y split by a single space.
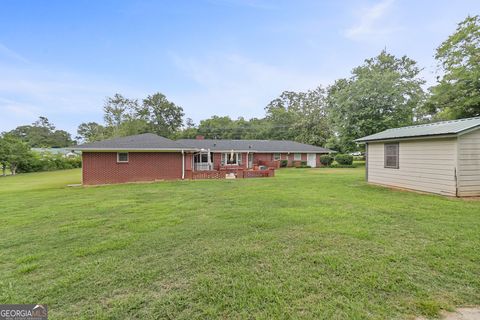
309 243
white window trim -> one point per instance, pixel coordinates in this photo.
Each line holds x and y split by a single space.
118 157
295 156
227 155
397 166
279 156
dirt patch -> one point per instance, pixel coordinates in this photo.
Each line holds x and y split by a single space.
460 314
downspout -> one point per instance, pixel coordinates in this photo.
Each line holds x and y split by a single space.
183 165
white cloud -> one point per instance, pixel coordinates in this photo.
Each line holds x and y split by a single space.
231 84
10 54
373 22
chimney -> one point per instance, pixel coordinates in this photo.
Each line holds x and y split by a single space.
199 137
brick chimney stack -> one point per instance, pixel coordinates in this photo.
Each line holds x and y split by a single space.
200 137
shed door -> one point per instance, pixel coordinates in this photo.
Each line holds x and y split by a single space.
312 160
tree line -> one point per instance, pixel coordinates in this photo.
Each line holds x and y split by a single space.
385 91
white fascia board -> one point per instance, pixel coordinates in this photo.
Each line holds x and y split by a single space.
133 149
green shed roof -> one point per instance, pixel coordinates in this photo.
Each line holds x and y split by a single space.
451 127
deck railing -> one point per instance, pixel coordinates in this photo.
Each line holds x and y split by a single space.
203 166
211 174
239 174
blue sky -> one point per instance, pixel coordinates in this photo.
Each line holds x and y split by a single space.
60 59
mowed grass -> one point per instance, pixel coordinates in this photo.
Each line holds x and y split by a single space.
309 243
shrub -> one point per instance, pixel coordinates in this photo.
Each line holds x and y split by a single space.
283 163
344 159
326 160
303 166
46 161
299 163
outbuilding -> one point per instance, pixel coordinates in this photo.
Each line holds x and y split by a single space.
441 157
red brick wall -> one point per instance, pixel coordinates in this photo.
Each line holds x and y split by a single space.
188 161
262 157
102 167
217 161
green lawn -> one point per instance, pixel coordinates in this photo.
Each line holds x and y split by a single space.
309 243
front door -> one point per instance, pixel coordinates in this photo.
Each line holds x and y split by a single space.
312 160
250 160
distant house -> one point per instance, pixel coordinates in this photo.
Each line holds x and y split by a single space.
66 152
148 157
441 157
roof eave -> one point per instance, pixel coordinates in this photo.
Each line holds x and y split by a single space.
418 137
134 149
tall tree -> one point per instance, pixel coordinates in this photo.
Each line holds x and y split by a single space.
4 152
12 151
217 128
117 110
457 94
299 116
163 117
189 130
41 134
383 93
92 131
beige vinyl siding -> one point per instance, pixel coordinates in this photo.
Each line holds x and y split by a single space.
469 164
424 165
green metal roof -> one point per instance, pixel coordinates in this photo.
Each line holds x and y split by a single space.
451 127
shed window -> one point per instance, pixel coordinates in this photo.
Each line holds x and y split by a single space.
391 156
122 157
297 156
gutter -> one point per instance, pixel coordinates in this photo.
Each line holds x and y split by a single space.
134 149
420 137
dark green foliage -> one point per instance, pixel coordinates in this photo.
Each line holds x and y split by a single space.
457 94
125 117
162 117
326 159
46 161
299 116
92 131
344 159
283 163
13 151
303 166
42 134
382 93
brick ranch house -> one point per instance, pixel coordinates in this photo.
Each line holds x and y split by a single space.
149 157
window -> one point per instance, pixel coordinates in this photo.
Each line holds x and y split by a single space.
276 156
201 157
231 158
391 156
297 156
122 157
